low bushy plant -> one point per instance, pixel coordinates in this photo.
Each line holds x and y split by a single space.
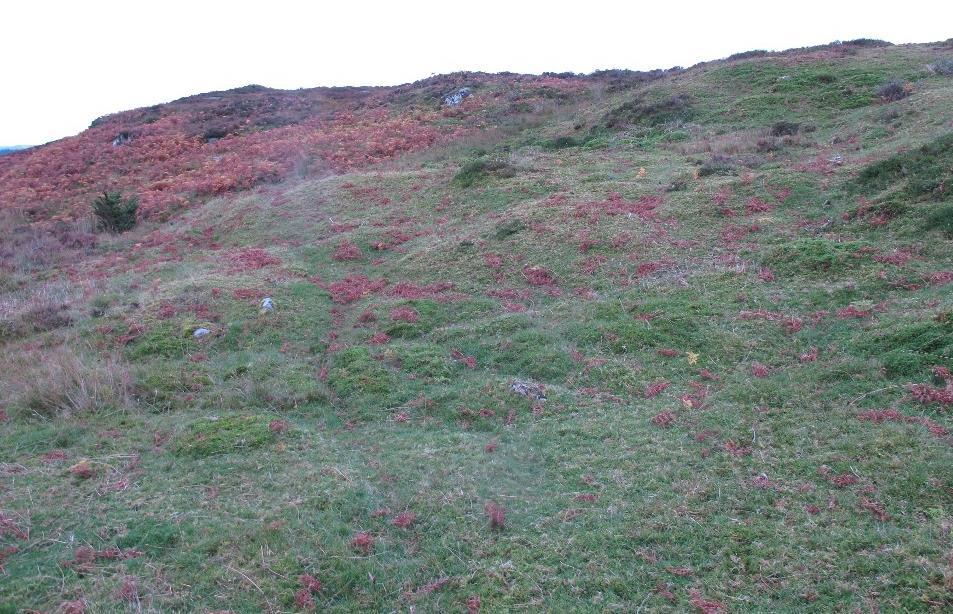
115 213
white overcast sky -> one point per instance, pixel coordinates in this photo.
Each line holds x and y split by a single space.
65 63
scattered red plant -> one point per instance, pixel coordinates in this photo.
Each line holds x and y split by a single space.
404 314
705 606
496 515
128 590
843 480
309 583
668 352
347 250
736 449
928 395
278 426
379 338
762 482
874 507
303 599
404 519
8 526
653 390
426 589
809 356
851 311
474 604
402 417
468 361
251 259
74 606
664 591
879 416
363 541
765 274
663 419
940 278
54 456
760 370
491 447
756 205
354 288
83 470
493 261
539 276
681 572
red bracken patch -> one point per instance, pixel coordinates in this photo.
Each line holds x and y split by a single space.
346 250
474 604
614 205
653 390
705 606
379 338
496 515
874 507
404 314
940 278
354 288
539 276
852 311
756 205
663 419
404 519
843 480
760 370
128 590
493 261
8 526
278 426
928 395
468 361
251 259
809 356
736 449
879 416
363 541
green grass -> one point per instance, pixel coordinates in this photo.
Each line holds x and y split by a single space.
255 455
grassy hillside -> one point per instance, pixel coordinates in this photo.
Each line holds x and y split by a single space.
669 341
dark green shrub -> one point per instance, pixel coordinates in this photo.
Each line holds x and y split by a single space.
672 109
785 128
211 436
814 255
943 67
480 169
942 220
508 229
115 214
892 91
924 172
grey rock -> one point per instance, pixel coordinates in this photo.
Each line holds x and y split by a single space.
529 389
267 305
454 98
201 332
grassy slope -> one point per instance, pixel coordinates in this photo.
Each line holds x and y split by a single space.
764 493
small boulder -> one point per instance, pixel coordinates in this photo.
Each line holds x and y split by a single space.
529 389
201 332
267 305
454 98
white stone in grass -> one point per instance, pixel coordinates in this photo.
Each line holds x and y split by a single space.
267 305
201 332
